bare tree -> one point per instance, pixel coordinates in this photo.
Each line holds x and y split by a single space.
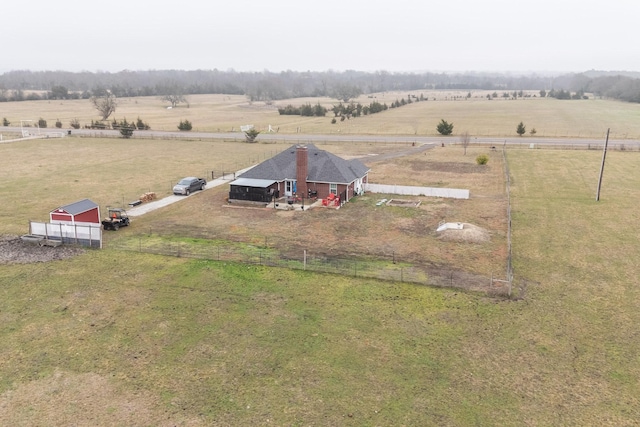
174 99
345 92
465 139
105 104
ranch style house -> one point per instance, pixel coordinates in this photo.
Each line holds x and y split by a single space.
301 172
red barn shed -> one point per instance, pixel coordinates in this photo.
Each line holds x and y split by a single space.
83 212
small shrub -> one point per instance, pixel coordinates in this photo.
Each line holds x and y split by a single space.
126 131
482 159
98 125
251 135
444 128
140 125
185 125
58 123
75 123
5 122
333 121
42 123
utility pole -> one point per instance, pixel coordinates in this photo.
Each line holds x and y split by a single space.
604 156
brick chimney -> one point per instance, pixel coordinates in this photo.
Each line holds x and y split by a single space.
302 170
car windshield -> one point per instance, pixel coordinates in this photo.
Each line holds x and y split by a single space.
185 181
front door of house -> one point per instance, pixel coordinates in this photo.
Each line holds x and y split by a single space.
289 187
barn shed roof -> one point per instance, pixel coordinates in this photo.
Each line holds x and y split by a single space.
77 207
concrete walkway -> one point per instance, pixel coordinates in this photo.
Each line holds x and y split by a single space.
157 204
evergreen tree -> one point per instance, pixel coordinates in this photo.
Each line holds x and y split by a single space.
444 128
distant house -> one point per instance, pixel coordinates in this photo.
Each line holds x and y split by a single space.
83 212
303 171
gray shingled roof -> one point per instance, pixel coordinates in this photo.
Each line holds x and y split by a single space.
78 207
322 167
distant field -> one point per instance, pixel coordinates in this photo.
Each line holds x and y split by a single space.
476 115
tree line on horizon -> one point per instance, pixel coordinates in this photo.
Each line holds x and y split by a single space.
271 86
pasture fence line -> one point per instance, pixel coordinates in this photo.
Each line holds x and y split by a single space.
383 267
507 179
618 146
550 140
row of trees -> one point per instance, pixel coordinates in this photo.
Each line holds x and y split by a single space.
269 86
306 110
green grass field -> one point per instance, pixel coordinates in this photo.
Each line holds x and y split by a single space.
122 338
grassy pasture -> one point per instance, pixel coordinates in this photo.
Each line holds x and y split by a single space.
107 339
476 115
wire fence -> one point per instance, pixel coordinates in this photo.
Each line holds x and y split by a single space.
618 146
507 180
384 267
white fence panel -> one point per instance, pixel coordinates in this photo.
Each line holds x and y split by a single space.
405 190
68 233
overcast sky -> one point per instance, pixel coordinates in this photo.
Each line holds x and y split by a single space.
298 35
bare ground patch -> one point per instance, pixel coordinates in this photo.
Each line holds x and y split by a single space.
469 233
14 251
453 167
404 203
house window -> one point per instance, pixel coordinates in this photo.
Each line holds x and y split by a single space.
333 189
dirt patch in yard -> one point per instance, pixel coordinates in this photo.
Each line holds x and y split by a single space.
469 233
454 167
14 251
404 203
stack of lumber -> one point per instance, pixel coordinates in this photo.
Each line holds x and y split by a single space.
147 197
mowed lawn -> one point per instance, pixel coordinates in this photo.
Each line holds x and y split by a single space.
110 338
